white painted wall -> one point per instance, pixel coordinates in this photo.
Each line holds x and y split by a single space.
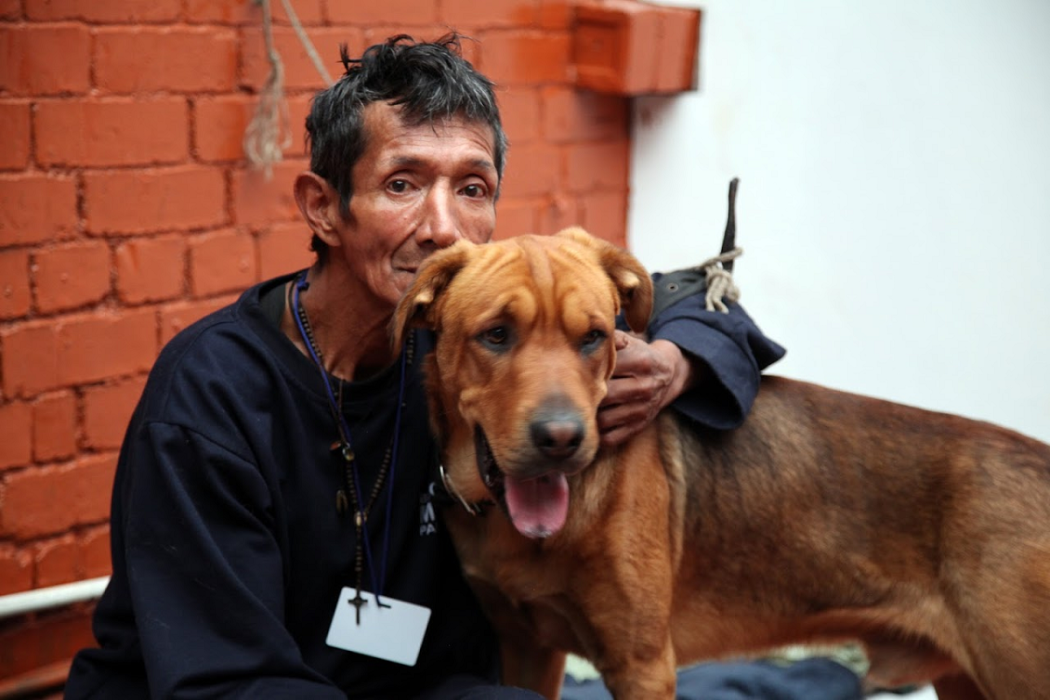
894 204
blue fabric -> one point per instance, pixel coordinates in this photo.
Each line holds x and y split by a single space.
810 679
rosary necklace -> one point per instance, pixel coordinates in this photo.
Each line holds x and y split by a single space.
351 480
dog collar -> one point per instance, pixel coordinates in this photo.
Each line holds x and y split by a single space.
474 509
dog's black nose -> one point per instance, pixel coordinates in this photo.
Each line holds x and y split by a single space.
557 436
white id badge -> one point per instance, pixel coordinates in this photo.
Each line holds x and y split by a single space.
393 633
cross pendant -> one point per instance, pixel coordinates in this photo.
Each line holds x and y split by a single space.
358 601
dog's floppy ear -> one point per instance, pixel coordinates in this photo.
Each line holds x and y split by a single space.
630 277
416 304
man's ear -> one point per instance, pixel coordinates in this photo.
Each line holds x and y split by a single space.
319 203
418 305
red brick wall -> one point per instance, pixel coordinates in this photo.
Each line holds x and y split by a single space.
127 211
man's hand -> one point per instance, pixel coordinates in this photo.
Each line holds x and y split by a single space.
648 377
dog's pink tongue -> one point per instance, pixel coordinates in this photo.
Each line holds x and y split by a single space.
538 506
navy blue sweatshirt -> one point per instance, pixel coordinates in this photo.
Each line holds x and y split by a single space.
229 552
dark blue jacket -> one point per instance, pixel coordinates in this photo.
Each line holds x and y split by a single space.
228 550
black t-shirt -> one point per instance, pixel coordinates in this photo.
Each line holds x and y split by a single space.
226 536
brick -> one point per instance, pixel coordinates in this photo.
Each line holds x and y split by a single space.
592 166
71 276
10 9
258 200
416 12
514 218
180 315
43 641
16 434
181 59
105 11
95 553
247 12
91 487
223 261
526 57
112 131
151 269
51 500
469 46
605 215
56 561
16 570
614 41
14 125
162 199
218 126
532 169
45 59
299 71
29 359
14 283
559 211
107 410
298 110
35 207
556 14
468 14
520 111
54 427
578 115
284 248
105 344
220 123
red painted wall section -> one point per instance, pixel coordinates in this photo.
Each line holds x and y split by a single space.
127 211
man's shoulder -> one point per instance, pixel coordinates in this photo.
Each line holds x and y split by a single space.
236 325
225 348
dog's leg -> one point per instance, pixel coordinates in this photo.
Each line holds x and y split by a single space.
528 666
959 687
644 679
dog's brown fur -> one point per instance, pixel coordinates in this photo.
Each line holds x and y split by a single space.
825 517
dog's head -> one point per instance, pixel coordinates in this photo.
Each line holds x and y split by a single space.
524 350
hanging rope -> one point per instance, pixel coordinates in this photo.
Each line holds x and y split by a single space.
269 133
305 41
720 284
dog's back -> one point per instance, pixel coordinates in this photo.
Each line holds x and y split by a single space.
841 516
826 516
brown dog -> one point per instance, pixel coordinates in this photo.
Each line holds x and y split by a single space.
825 517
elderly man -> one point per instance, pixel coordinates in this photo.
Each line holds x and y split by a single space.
279 462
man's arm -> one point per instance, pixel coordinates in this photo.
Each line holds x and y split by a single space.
204 572
706 364
648 377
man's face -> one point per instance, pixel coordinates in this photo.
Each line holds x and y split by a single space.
415 189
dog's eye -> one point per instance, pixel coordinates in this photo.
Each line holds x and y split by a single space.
495 338
592 341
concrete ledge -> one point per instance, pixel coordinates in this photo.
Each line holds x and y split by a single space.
632 48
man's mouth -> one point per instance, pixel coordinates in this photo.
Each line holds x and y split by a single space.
537 506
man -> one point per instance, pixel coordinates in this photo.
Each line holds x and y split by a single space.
279 458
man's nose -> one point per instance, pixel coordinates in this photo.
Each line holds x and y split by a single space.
440 225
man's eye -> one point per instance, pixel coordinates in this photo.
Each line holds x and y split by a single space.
592 341
398 186
474 191
497 338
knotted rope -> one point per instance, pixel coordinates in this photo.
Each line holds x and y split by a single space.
268 133
720 284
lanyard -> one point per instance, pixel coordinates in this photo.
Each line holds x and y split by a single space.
347 451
